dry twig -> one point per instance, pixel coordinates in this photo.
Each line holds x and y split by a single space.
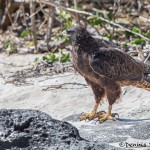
60 86
32 10
140 52
77 15
147 58
50 25
70 10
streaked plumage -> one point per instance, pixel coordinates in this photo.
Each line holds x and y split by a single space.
106 69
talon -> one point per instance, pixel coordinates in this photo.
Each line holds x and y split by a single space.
100 114
103 112
115 114
105 117
82 118
88 116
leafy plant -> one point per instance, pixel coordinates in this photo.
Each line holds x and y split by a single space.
58 37
116 37
107 35
66 19
110 15
138 41
73 7
65 39
94 20
67 24
63 57
9 47
31 43
25 33
7 44
51 58
136 30
65 16
128 34
148 33
36 59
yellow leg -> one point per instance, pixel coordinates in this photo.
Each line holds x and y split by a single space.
107 116
90 116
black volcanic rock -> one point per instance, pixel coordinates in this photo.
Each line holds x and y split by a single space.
35 130
128 132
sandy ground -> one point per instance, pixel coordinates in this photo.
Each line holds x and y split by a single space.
69 100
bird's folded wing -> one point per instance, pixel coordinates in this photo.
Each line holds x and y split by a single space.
117 65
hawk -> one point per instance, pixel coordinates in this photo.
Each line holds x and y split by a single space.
106 69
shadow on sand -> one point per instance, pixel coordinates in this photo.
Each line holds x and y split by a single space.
131 120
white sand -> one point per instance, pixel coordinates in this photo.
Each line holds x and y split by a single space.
70 100
60 103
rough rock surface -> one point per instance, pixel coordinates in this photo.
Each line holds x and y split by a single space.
125 133
29 129
65 96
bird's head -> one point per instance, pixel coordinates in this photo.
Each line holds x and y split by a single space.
81 39
77 34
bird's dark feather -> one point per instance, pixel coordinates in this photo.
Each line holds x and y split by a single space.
115 64
105 67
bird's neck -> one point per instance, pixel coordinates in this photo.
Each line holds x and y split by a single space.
89 46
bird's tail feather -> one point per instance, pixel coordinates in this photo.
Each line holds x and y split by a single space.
144 84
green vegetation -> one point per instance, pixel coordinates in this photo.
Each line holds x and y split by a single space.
107 35
52 57
148 33
66 19
138 41
25 33
136 30
9 47
128 34
110 16
113 20
94 20
63 57
58 37
73 7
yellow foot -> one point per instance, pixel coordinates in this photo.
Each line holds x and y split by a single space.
107 116
89 116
